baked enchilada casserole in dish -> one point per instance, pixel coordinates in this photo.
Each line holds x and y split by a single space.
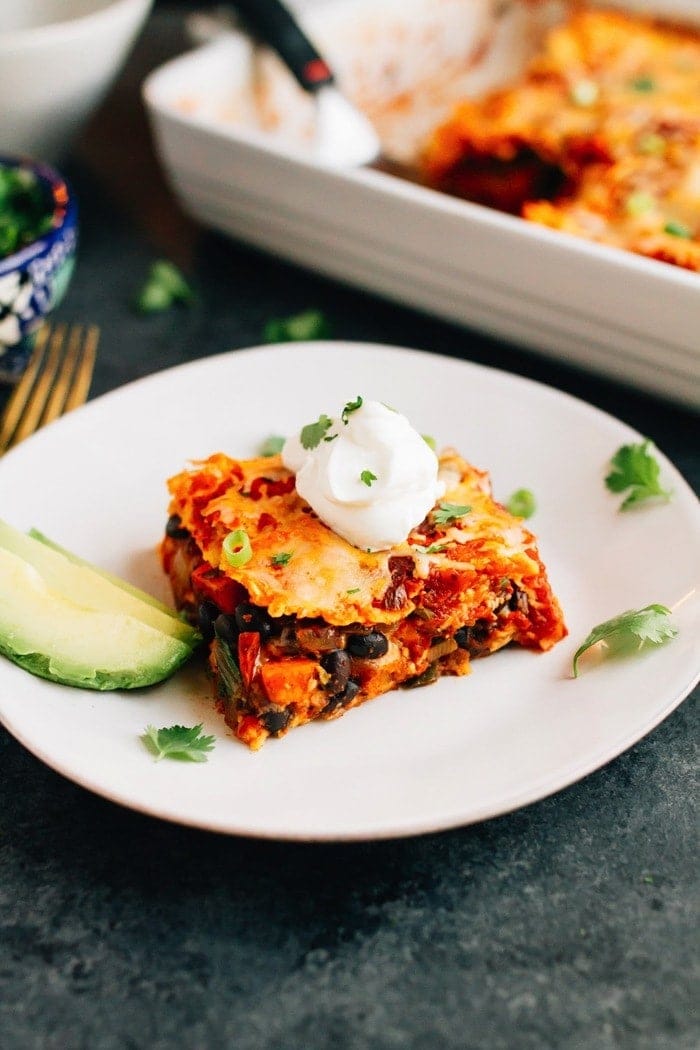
600 138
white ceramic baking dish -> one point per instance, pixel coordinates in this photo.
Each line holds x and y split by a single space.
234 135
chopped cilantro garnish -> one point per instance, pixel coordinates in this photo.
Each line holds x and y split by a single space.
311 324
434 548
283 558
25 209
312 434
367 477
522 503
272 445
447 512
351 406
636 469
630 631
164 287
643 84
180 742
677 229
430 441
353 590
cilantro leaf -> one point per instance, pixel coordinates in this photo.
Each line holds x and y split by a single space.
164 286
522 504
631 630
678 229
283 558
272 445
180 742
368 477
448 512
434 548
636 469
312 434
351 406
311 324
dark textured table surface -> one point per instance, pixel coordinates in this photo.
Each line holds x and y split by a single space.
572 923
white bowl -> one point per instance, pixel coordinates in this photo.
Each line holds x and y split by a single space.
58 58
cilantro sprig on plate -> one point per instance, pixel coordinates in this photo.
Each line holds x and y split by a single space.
630 632
184 743
637 469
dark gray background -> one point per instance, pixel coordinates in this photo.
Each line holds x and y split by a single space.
570 924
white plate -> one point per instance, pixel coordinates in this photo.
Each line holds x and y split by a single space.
461 750
595 306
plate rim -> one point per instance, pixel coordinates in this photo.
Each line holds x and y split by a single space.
537 790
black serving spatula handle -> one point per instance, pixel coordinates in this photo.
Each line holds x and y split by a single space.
277 27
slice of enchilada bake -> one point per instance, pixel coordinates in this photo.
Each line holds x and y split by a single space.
406 569
599 138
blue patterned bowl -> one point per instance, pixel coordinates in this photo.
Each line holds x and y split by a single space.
33 280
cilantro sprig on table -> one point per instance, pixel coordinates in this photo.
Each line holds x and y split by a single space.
164 287
185 743
310 324
630 631
636 468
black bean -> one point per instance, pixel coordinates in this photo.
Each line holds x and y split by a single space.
225 628
349 692
251 617
174 528
367 646
519 601
275 719
337 664
207 612
345 697
473 638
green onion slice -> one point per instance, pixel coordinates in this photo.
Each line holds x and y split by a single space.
237 548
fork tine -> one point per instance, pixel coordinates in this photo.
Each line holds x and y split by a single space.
56 380
73 382
22 392
32 416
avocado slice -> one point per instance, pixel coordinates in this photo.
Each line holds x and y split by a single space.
86 585
144 596
51 635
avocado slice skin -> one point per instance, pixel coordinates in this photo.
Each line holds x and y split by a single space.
52 636
86 584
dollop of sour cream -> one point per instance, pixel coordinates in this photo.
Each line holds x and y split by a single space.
369 475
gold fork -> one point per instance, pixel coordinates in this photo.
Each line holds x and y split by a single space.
55 381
